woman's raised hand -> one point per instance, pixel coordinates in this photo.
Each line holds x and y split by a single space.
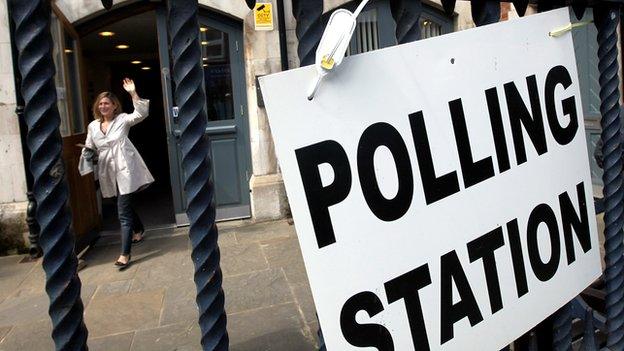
128 85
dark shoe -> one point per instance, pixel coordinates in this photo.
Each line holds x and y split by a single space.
122 265
136 241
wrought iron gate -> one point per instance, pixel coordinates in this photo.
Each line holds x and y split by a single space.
32 37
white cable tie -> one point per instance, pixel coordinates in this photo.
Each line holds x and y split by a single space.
557 32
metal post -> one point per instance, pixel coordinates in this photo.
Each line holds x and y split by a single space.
33 227
607 17
34 250
197 165
309 29
485 12
406 14
36 67
562 329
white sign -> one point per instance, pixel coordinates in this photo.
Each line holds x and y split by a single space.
441 189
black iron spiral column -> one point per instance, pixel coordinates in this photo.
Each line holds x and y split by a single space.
34 250
34 44
607 17
562 329
406 14
485 12
309 29
190 97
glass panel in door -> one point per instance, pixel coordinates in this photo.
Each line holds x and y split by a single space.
217 73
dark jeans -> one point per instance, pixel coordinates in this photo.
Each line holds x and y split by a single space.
129 220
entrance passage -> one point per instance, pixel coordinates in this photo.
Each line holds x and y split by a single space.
129 48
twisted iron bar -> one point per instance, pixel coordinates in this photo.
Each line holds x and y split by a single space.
589 333
34 250
34 43
521 6
309 31
406 14
197 168
485 12
607 18
309 28
562 329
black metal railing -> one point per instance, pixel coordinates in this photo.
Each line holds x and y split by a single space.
188 76
31 20
36 67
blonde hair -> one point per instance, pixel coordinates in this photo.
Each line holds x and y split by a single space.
112 97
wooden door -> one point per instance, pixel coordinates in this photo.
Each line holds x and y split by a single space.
73 110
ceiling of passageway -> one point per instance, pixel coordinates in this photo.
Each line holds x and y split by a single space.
139 32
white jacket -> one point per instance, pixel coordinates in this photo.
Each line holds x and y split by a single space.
119 164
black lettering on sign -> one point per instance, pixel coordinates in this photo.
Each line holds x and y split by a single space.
435 188
364 335
319 197
498 131
472 172
376 135
571 220
563 135
543 270
519 115
406 287
452 271
515 246
483 248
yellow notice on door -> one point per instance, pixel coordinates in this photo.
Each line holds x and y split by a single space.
263 16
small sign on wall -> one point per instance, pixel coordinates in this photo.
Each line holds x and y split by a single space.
263 16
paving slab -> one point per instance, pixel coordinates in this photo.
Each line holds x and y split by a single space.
24 310
243 258
286 254
117 342
33 283
255 290
265 232
151 305
28 308
100 267
114 288
32 336
313 329
179 304
274 328
227 237
12 274
4 331
178 337
161 272
114 314
305 301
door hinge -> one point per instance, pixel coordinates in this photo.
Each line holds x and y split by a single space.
241 110
236 45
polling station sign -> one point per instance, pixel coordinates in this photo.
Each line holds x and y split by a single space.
440 189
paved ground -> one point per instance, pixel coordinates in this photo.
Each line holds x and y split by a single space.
151 305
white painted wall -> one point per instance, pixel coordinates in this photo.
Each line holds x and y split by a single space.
12 177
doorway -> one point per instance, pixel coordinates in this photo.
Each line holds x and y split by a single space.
129 48
142 29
